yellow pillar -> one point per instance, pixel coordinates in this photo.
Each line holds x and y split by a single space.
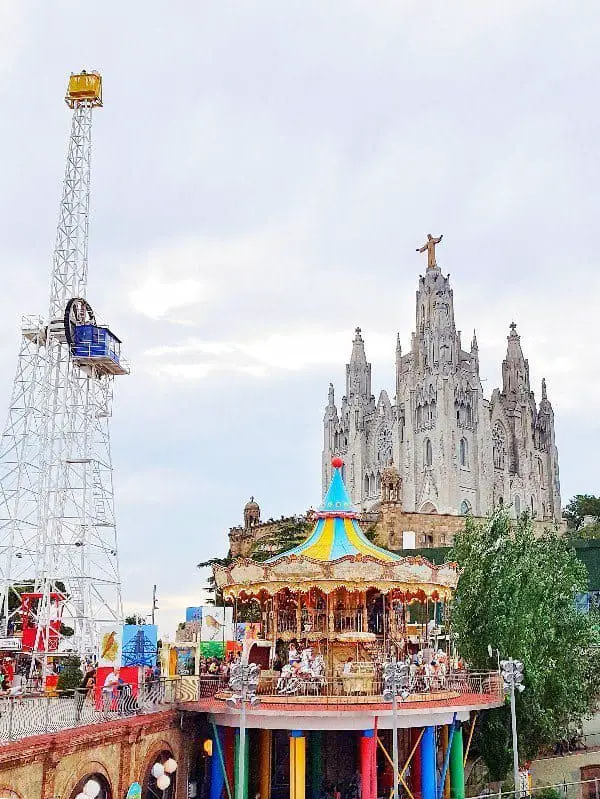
264 782
297 765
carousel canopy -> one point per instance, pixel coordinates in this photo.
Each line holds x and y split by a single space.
337 532
337 555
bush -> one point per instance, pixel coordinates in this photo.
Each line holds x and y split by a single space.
546 793
70 676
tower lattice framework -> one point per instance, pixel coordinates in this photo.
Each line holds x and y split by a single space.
57 522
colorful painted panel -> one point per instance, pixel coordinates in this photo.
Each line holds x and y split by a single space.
139 645
109 651
193 614
212 649
217 624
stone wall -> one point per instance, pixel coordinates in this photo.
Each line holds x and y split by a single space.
123 751
431 529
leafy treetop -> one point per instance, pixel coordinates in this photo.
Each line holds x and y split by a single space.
516 592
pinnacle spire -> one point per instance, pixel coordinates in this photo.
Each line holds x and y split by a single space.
474 345
544 390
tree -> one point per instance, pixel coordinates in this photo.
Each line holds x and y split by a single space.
516 592
136 618
70 676
284 535
579 506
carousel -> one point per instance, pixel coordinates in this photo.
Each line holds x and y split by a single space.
336 607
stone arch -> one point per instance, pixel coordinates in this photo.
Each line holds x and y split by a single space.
366 485
465 507
9 793
427 453
428 507
106 791
463 452
69 786
159 752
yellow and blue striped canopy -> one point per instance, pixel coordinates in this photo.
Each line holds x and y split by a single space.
337 531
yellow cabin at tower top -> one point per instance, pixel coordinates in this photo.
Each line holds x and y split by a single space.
84 86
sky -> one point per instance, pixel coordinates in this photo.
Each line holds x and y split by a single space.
262 175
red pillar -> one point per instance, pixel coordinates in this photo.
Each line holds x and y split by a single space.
366 764
415 763
229 754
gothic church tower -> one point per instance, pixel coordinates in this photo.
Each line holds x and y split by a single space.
455 451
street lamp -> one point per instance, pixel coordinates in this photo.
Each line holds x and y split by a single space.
243 682
512 675
396 679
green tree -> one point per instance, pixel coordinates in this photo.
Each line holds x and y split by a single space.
70 676
136 618
579 506
516 592
284 535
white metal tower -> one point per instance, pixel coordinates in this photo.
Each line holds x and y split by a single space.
58 547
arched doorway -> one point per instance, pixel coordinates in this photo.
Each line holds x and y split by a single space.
92 786
160 781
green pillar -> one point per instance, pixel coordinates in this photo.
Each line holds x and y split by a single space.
244 793
457 770
316 763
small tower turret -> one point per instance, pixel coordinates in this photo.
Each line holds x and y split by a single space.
358 372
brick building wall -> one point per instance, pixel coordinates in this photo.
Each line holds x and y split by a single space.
123 751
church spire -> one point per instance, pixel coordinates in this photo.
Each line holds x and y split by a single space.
515 367
358 371
474 345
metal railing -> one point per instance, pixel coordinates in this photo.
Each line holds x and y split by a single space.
22 716
584 789
365 685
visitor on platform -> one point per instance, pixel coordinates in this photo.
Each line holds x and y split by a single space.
110 689
348 666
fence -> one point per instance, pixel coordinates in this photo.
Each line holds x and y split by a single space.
365 685
22 716
585 789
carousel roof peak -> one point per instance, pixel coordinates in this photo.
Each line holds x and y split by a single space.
337 532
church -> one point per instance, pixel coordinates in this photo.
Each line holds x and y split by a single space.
435 444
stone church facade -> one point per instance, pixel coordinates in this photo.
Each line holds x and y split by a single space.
451 450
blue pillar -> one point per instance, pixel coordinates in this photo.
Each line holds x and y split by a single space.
428 764
217 777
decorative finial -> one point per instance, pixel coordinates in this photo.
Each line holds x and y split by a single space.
544 393
430 247
337 463
513 328
358 331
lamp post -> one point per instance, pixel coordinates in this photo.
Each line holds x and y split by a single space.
243 682
512 675
396 678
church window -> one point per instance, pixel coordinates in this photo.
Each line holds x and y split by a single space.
465 508
500 502
499 446
428 453
366 485
543 511
464 453
356 418
517 505
532 506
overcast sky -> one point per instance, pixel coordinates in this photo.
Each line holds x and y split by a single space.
262 175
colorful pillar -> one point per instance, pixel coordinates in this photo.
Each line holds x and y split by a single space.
457 769
265 748
366 764
415 764
217 775
246 764
445 737
229 755
316 764
428 764
297 765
